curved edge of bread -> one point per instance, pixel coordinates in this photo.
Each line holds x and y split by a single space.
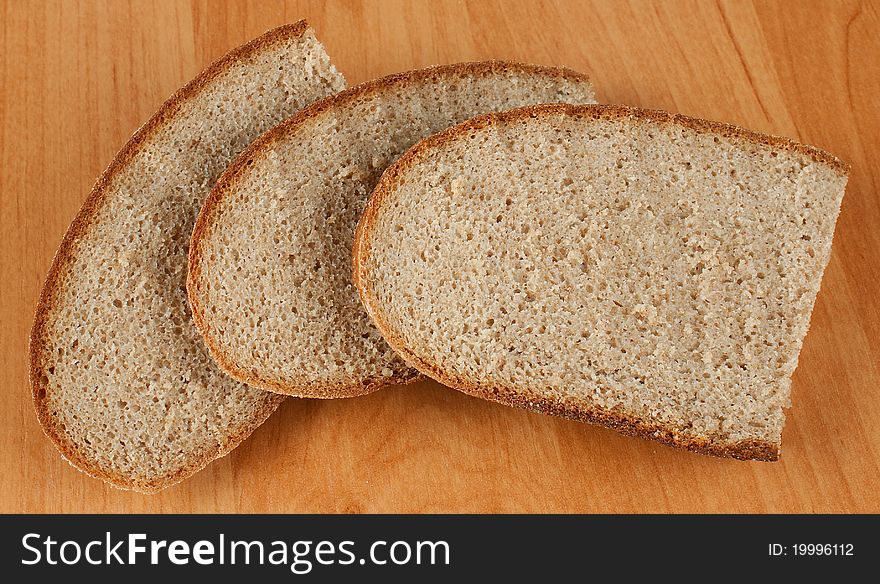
81 224
230 178
617 420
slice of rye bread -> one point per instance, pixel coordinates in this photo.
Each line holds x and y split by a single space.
270 260
645 271
122 382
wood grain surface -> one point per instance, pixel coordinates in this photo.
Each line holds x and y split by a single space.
78 78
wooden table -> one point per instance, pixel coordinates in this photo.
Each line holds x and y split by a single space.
79 77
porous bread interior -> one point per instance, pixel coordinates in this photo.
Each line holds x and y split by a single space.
122 377
610 265
278 306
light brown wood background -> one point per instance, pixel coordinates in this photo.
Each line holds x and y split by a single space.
79 77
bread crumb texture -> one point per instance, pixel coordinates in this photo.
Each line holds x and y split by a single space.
271 268
649 272
122 381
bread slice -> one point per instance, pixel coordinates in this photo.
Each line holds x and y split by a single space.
641 270
270 260
122 382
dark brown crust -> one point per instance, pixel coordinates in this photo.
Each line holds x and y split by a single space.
65 255
211 211
585 412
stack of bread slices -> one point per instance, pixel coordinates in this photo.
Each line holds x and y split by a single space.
268 233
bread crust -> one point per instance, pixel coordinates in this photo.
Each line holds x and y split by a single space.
618 420
65 255
231 177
